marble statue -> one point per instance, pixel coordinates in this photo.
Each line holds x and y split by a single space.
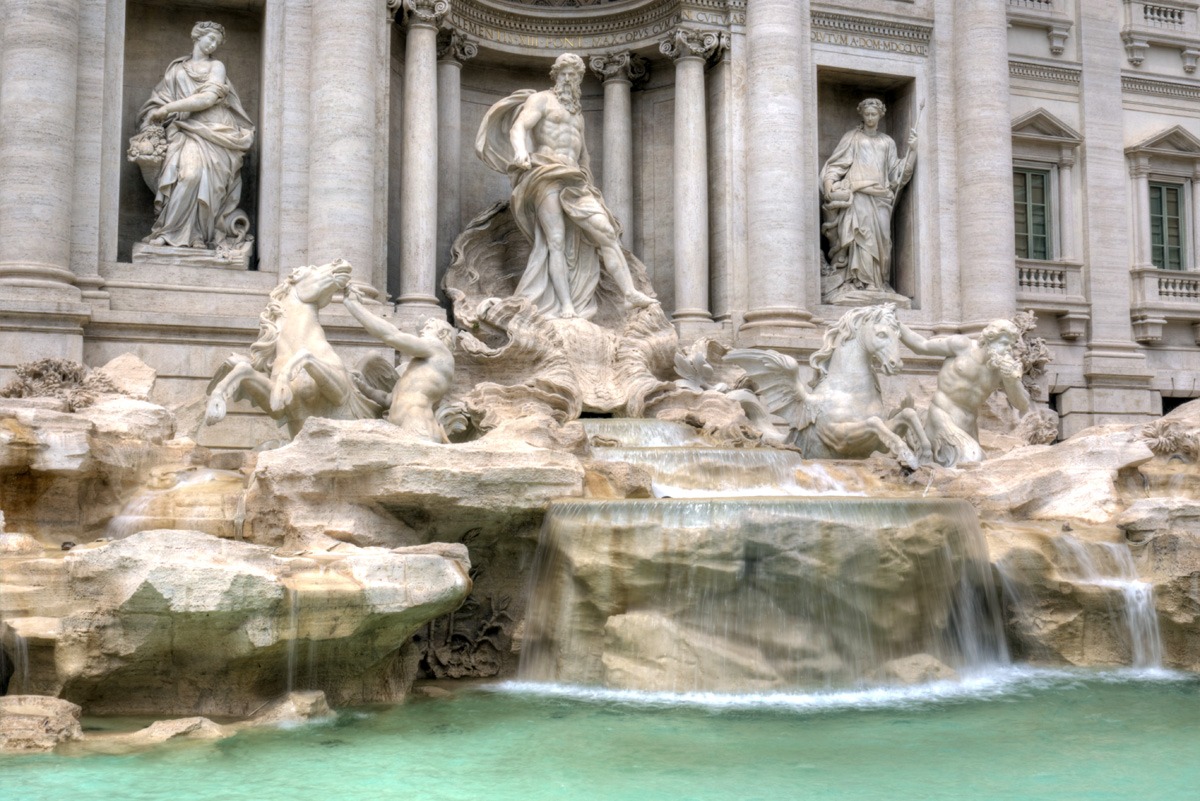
537 139
192 137
973 370
293 373
859 185
413 402
841 414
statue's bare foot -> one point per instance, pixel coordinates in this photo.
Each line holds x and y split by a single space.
568 313
158 241
638 300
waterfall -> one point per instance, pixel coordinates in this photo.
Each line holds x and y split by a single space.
292 597
14 662
1110 565
631 433
757 593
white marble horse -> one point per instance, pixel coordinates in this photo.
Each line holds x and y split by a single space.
841 414
293 372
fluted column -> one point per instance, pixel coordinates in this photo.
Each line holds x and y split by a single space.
1066 203
1139 172
39 57
984 196
618 71
419 151
781 184
453 49
342 136
689 50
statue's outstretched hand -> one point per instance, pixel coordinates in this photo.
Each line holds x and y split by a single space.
354 292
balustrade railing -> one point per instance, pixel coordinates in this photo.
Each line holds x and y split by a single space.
1178 286
1042 278
1163 16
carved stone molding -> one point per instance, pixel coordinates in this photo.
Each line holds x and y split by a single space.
871 34
1050 73
456 47
1168 89
625 66
421 12
547 31
685 43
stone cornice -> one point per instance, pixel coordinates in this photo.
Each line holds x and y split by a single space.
1037 71
1175 90
908 38
542 31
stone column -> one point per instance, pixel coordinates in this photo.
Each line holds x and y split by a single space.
419 152
453 49
781 182
690 50
618 71
1066 203
984 195
342 136
1139 172
39 67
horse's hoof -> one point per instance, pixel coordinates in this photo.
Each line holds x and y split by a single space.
908 458
215 412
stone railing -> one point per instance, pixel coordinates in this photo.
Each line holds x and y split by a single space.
1044 15
1054 287
1171 24
1160 296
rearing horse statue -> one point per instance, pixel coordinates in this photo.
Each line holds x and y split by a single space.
841 414
293 372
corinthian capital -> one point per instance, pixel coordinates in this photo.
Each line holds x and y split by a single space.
625 66
420 12
684 43
455 46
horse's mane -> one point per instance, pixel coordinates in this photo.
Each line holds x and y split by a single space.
262 352
845 330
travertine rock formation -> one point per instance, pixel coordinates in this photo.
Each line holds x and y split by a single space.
37 723
179 622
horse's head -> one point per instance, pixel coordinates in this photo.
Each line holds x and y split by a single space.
878 332
317 284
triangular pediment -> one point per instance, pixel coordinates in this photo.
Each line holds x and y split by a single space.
1042 125
1173 141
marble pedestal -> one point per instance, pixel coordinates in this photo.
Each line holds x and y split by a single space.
223 258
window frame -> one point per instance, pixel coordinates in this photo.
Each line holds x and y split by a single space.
1186 251
1050 171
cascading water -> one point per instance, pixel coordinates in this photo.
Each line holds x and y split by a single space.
628 433
1110 565
212 501
740 593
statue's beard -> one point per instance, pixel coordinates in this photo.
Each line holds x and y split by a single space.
568 93
1000 357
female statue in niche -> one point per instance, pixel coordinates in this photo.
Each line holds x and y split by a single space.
859 185
192 136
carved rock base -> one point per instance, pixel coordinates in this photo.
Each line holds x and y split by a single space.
848 296
223 258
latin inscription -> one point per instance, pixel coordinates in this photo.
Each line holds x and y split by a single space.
870 43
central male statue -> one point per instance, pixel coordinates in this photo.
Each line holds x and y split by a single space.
537 139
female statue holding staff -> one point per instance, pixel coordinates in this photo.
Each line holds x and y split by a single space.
859 184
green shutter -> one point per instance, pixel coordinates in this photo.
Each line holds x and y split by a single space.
1166 226
1031 213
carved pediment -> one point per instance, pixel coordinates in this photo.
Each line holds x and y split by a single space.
1042 126
1176 141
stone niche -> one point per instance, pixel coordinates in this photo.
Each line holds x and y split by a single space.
839 92
156 33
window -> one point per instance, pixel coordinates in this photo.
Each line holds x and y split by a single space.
1166 226
1031 213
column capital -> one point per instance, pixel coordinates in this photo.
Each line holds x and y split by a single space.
626 66
455 47
415 13
683 43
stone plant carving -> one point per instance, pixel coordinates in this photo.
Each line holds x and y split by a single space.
59 378
859 184
972 371
413 402
537 139
192 137
293 373
841 415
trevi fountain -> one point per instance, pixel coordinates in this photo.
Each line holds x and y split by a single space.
599 399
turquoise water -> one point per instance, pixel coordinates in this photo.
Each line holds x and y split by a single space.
1021 734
